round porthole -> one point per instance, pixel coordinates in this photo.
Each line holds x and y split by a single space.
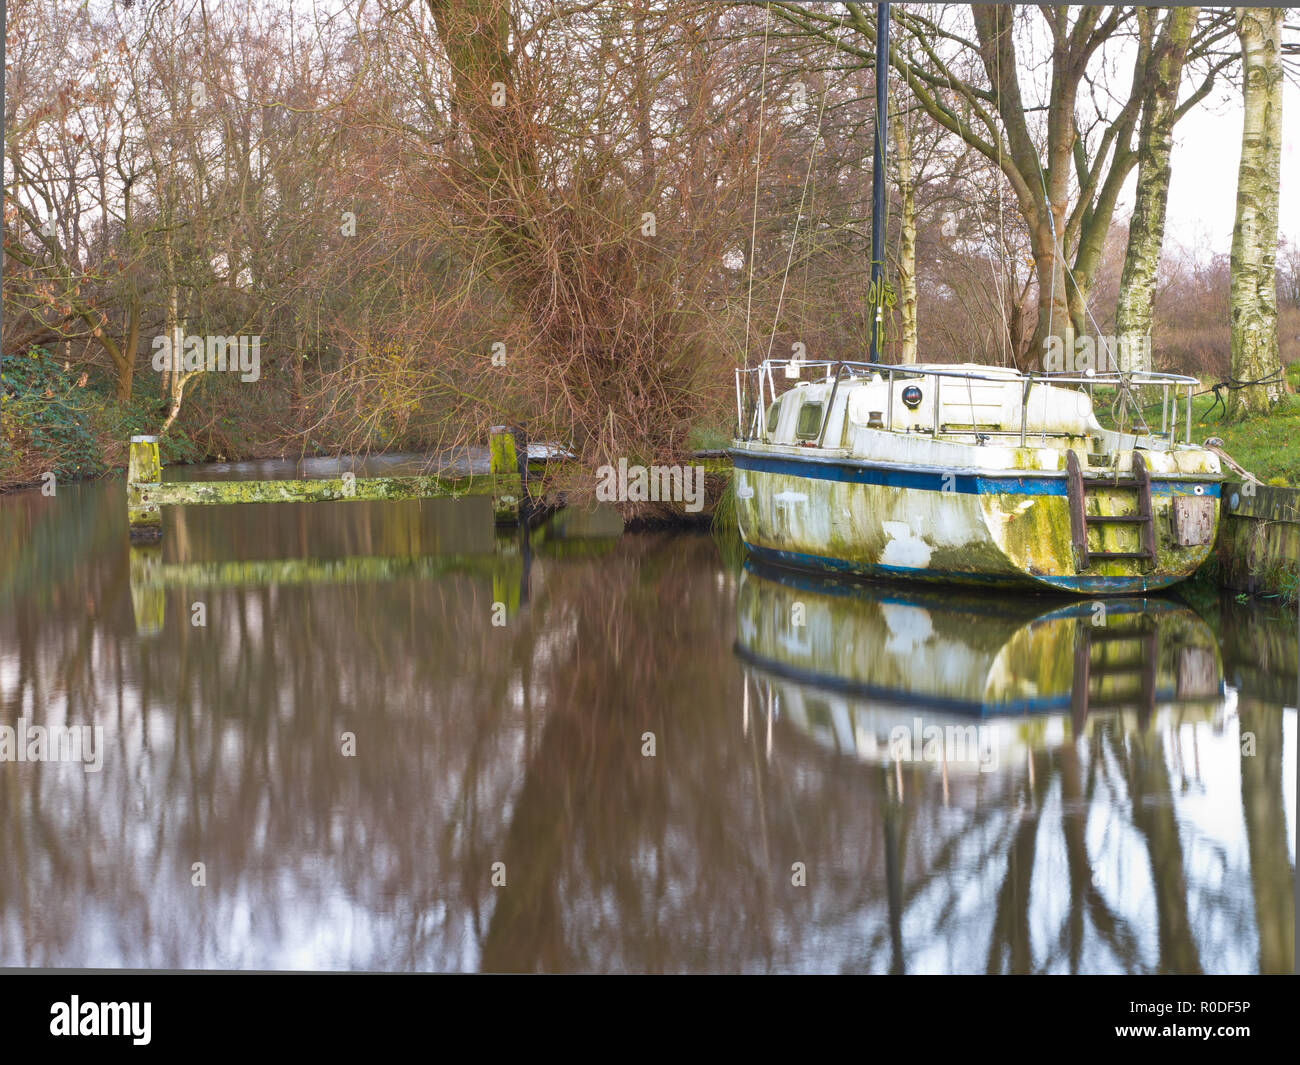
1199 489
912 397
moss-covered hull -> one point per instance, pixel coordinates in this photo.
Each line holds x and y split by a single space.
998 527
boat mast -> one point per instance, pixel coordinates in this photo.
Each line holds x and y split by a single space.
878 181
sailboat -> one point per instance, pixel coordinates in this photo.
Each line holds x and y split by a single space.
969 473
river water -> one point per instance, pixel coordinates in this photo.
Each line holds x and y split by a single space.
384 737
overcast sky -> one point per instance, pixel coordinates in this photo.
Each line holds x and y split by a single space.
1203 185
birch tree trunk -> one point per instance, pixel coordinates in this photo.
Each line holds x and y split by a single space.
175 378
907 240
1146 231
1255 355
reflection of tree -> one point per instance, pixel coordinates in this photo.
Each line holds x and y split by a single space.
1085 899
1152 798
1009 948
1263 801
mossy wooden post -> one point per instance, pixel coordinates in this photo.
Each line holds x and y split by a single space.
144 468
1259 539
509 464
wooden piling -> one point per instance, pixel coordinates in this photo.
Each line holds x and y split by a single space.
144 469
506 482
1259 539
509 464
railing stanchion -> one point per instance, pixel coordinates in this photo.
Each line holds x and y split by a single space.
1024 410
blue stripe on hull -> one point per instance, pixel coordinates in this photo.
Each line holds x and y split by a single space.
821 469
1084 585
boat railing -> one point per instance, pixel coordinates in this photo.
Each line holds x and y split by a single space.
756 389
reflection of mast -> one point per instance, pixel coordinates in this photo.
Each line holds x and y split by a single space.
893 875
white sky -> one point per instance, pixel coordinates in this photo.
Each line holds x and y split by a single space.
1203 184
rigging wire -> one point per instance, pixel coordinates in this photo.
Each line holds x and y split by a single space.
758 171
1000 285
812 156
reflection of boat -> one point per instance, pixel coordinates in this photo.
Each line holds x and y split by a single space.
851 662
969 474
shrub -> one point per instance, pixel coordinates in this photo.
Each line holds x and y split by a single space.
47 420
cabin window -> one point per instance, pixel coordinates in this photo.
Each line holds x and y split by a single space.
773 416
810 421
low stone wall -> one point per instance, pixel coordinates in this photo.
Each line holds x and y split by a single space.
1259 539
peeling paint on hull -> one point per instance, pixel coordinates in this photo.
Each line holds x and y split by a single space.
991 528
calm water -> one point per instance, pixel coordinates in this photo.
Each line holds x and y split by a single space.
843 778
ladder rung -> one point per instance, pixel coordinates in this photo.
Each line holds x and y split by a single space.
1128 518
1119 554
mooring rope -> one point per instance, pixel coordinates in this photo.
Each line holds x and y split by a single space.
1234 384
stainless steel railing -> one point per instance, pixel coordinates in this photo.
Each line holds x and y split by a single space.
751 409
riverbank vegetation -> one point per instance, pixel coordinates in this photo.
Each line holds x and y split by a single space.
440 216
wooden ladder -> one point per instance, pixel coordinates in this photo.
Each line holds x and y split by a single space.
1080 519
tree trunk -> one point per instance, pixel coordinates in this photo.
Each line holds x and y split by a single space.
1054 320
126 368
176 334
1255 356
907 241
1146 232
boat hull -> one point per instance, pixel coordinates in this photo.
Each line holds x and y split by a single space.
997 528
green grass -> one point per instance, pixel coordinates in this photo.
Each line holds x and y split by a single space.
1266 445
709 437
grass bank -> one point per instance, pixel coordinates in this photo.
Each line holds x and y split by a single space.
1267 445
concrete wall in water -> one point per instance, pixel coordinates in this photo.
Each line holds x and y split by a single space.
1259 539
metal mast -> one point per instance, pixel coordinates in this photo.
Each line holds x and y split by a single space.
878 181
